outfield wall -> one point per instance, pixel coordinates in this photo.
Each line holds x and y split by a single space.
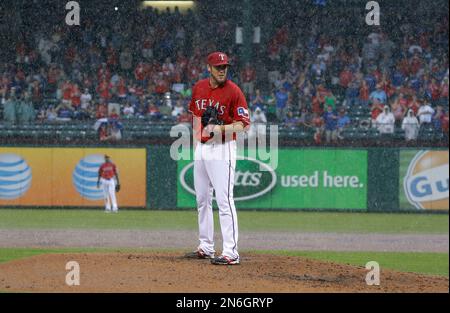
311 178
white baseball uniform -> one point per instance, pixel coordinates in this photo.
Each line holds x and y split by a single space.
214 170
215 163
109 193
107 174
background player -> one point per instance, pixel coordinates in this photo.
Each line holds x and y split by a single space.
215 158
109 179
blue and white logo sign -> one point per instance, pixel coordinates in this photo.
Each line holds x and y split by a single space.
15 176
85 177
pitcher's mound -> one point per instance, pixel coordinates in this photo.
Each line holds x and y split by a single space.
170 272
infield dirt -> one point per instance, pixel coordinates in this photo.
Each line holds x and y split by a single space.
170 272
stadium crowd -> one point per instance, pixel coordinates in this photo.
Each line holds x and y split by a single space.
311 71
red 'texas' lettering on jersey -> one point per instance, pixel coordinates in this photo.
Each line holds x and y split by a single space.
107 170
228 99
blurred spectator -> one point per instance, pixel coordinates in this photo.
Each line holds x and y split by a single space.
115 130
318 71
345 78
41 115
36 93
114 105
162 84
293 73
121 88
257 101
444 123
25 111
51 114
64 114
342 122
434 92
147 47
369 51
140 74
281 97
291 120
318 101
66 89
305 119
75 96
258 124
399 108
114 114
185 119
10 106
444 92
318 124
101 109
126 61
437 118
128 110
153 112
414 105
85 99
248 77
410 125
168 69
364 94
385 121
166 111
103 132
330 118
65 104
104 89
330 100
376 109
85 112
425 113
379 94
178 109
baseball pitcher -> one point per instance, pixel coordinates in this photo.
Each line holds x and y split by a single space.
109 180
219 111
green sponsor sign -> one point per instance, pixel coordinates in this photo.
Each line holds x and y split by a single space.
318 179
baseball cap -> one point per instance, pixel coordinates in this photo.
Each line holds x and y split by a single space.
218 58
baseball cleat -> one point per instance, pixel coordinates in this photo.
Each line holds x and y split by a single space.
225 260
199 254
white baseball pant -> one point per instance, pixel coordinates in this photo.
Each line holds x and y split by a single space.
214 170
109 194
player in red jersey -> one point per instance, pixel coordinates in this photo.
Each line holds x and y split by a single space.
215 157
109 180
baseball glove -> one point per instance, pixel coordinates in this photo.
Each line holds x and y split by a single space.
117 187
210 117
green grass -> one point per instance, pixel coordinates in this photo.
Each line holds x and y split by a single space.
248 220
424 263
415 262
9 254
